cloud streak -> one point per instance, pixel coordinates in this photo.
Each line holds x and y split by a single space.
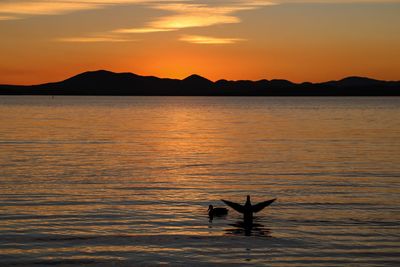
189 15
199 39
90 40
7 17
17 9
142 30
95 39
11 9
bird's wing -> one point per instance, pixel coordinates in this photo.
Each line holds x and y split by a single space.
239 208
260 206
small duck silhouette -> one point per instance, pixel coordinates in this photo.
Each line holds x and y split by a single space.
248 209
216 211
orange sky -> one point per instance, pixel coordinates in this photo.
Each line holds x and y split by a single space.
43 41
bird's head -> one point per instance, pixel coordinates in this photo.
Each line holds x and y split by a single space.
210 207
248 202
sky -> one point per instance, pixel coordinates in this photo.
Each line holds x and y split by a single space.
304 40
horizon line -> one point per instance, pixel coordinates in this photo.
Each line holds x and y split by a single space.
198 75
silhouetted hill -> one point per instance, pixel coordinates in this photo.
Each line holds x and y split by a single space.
104 82
197 85
197 79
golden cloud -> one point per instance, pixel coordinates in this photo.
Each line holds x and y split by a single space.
195 15
141 30
11 9
198 39
94 39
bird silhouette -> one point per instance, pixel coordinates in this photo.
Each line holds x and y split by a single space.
248 209
216 212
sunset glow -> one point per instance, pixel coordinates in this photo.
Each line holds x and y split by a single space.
45 41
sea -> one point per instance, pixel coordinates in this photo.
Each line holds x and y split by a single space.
127 181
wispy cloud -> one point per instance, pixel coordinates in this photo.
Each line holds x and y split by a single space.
41 7
94 39
12 9
17 9
189 15
198 39
182 14
4 17
141 30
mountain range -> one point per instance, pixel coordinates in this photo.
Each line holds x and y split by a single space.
104 82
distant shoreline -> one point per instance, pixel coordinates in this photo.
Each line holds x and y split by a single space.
106 83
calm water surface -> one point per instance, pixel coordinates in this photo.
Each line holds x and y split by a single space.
126 181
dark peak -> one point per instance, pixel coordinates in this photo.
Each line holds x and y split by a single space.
306 83
92 74
107 73
358 79
100 72
355 81
100 75
96 73
196 78
281 82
